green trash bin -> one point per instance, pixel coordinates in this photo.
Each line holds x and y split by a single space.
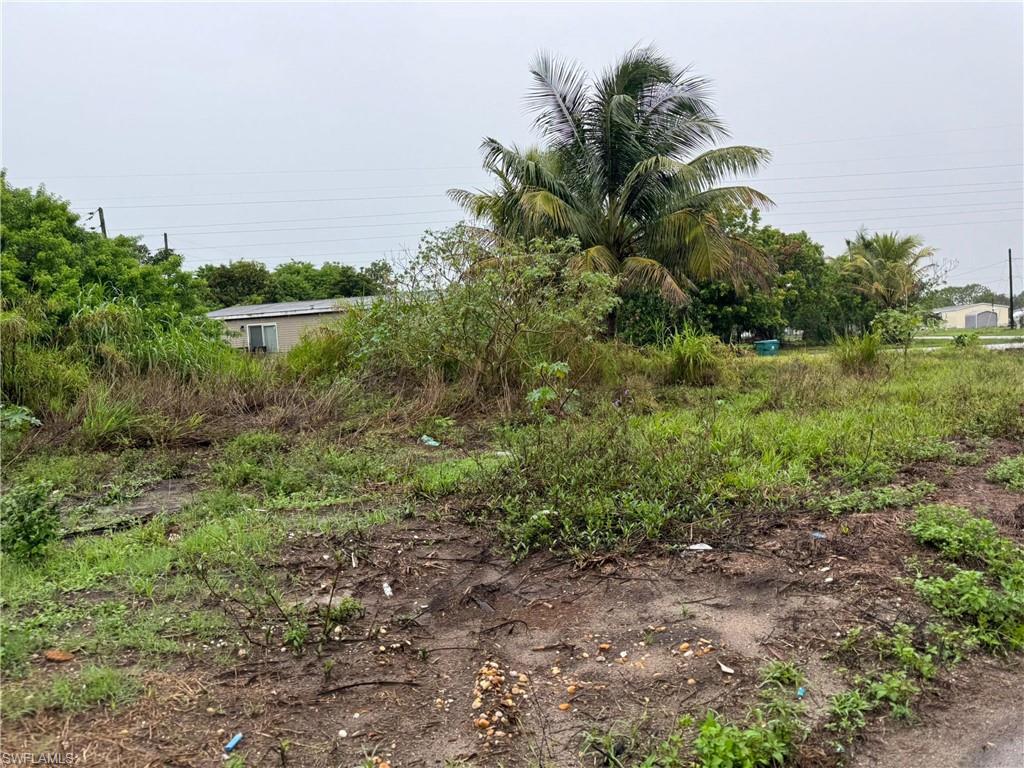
767 347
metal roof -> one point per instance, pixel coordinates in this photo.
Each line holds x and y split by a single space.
287 308
954 307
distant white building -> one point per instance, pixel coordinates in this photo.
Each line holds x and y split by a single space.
978 315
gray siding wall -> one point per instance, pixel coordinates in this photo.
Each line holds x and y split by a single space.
289 328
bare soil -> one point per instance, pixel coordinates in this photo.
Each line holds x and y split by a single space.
572 649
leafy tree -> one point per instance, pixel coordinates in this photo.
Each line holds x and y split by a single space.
965 294
240 282
48 260
631 170
250 282
890 270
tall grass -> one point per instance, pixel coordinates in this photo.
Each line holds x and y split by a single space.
858 354
695 359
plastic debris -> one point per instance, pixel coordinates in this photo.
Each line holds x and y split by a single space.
801 692
388 592
428 440
818 535
699 547
233 743
728 670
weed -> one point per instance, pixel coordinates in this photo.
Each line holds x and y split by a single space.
996 618
894 689
695 359
1009 472
899 647
29 519
296 634
875 499
846 713
858 354
782 674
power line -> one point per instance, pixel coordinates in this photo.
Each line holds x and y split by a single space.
882 173
307 242
427 186
440 223
277 202
918 216
411 197
928 225
900 135
424 186
314 218
462 167
305 229
908 211
1002 186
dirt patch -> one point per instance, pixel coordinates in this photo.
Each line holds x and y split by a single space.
632 640
984 730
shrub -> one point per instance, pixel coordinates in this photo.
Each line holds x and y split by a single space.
858 354
695 359
30 519
466 313
1009 472
969 340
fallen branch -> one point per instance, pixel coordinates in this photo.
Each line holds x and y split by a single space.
346 686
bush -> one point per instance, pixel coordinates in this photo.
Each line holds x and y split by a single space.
469 314
858 354
695 359
30 519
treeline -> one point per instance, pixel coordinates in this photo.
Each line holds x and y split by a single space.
250 282
805 291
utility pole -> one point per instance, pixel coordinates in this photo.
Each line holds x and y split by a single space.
103 223
167 248
1009 258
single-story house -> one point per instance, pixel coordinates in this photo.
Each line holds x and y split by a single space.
979 315
269 328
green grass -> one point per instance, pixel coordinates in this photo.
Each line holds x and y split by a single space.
614 477
92 686
875 499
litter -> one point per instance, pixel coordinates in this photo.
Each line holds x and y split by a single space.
428 440
388 592
726 669
818 535
801 692
699 547
233 743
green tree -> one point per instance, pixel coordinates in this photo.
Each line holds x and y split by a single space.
631 170
890 270
240 282
964 294
49 261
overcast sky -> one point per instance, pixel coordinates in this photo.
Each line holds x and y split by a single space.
336 128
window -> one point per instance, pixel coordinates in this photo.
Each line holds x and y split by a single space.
262 338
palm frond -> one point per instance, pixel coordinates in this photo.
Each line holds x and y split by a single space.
559 95
597 258
643 272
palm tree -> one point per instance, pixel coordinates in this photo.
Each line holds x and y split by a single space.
630 168
889 269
